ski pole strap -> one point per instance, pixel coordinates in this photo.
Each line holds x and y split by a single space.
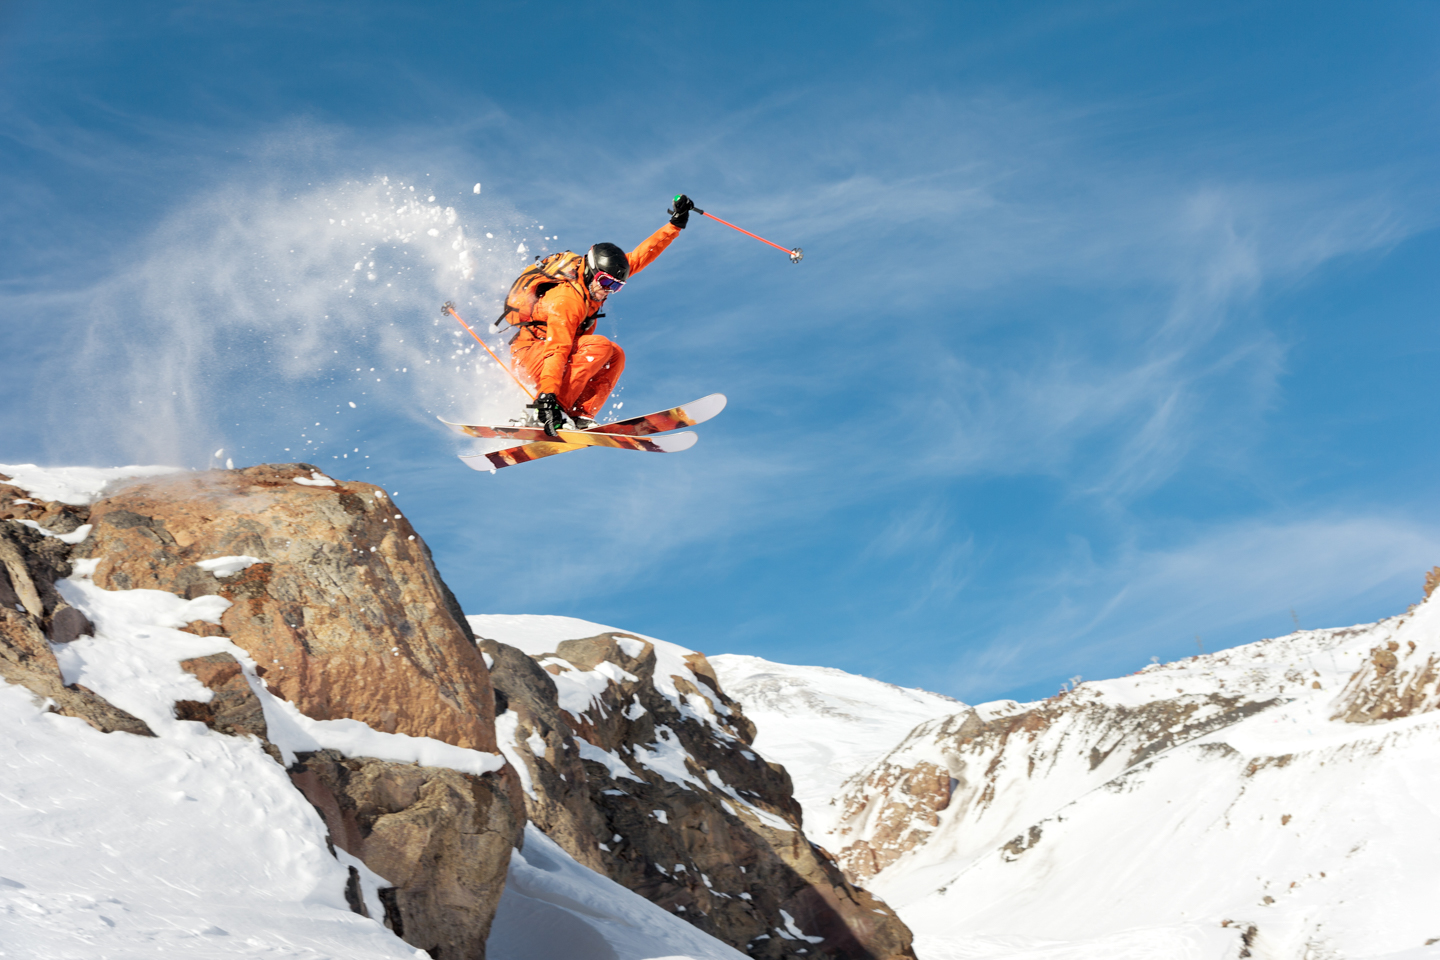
449 308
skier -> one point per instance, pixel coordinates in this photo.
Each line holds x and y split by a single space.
556 303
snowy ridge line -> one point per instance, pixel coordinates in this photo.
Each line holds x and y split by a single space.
76 486
1259 799
1133 771
1149 757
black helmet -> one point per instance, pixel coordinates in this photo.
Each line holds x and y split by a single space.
606 258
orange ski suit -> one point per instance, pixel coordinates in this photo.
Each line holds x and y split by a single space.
560 351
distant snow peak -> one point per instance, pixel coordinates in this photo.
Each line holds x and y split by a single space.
1259 801
823 724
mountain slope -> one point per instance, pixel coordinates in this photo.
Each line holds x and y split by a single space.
1270 801
823 724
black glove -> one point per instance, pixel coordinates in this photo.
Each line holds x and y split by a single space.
548 412
680 211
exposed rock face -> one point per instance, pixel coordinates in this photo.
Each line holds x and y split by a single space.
984 758
344 611
233 708
1402 676
18 504
32 614
442 838
638 764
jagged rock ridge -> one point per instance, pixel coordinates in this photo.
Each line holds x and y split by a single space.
639 765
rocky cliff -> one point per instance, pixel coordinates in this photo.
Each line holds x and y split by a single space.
332 605
33 615
639 765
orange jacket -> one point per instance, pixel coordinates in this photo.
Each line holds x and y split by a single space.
567 307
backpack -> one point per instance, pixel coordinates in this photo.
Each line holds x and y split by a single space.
533 283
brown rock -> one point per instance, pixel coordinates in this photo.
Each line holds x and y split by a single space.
345 615
559 803
691 848
29 605
442 838
1393 684
234 709
17 504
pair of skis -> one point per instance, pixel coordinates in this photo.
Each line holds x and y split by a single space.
636 433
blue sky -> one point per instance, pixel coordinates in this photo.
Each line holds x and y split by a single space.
1116 327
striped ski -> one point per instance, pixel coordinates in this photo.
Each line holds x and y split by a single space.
662 421
510 456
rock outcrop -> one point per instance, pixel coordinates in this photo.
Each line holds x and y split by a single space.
340 604
33 615
639 765
443 838
18 504
1401 677
233 708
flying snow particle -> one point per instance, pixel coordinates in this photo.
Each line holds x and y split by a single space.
522 249
490 235
352 404
219 452
477 188
229 464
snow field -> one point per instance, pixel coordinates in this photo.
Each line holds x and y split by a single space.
1308 835
555 909
192 845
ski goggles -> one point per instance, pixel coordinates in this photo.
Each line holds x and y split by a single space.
608 282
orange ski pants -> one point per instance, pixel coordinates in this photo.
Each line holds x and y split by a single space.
594 368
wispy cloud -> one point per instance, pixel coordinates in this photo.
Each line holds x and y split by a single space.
1231 584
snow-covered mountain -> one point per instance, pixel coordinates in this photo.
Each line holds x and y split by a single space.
1276 800
263 665
823 724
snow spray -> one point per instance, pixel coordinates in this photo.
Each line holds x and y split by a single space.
277 322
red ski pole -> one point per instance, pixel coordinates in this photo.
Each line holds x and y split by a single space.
796 255
449 308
